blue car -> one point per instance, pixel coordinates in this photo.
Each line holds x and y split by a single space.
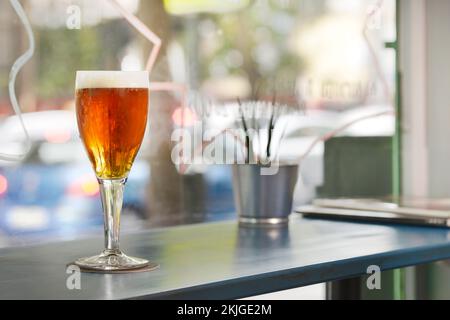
54 192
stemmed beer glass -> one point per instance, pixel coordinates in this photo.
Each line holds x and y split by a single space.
112 116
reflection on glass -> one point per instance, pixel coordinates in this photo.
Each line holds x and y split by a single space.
327 55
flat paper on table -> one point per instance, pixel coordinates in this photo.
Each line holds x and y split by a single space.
372 210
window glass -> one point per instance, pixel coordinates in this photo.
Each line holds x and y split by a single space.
324 59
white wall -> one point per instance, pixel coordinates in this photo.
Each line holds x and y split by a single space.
438 97
425 67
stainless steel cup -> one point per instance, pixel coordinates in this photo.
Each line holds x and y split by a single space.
263 199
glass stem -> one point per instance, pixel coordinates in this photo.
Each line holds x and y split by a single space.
112 198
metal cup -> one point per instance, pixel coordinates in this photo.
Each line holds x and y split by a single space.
263 199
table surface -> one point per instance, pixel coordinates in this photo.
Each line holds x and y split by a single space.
222 260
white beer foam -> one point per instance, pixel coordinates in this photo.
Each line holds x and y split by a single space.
112 79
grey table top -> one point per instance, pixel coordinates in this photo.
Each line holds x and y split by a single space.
222 260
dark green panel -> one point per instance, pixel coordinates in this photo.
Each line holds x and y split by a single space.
357 167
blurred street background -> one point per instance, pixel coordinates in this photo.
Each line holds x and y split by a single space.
329 56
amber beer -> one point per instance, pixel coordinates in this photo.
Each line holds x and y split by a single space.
112 117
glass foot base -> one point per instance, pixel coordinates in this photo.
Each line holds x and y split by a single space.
114 261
